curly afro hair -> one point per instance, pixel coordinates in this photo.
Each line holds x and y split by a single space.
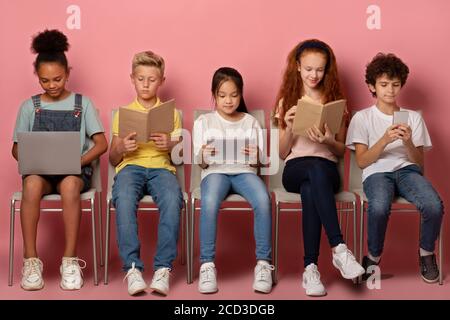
387 64
50 46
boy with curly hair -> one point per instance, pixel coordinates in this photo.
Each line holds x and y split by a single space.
392 158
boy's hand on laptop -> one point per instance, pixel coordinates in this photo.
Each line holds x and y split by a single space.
161 141
128 144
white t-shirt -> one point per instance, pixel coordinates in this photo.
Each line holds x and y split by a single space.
369 125
212 126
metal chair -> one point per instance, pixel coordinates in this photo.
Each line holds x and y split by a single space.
195 195
355 181
146 205
89 195
346 201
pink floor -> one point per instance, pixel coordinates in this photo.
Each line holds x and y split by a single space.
235 262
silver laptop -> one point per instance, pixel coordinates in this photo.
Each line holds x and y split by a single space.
49 152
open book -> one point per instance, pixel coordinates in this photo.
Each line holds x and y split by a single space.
156 120
311 113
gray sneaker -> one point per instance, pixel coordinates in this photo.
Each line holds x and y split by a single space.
428 268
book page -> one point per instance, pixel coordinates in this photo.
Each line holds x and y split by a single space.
332 115
161 118
308 114
133 121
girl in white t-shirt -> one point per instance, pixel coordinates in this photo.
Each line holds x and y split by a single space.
391 156
227 146
311 162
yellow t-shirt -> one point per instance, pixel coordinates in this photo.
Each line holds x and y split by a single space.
147 155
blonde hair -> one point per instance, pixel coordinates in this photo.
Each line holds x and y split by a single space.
148 58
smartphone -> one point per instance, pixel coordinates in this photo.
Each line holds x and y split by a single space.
400 117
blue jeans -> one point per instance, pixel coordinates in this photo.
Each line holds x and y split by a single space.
409 183
215 187
130 185
317 180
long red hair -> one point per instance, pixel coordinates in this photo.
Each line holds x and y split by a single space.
292 86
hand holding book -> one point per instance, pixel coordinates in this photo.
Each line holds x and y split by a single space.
310 113
159 119
128 143
315 135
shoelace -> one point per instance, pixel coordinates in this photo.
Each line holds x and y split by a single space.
207 273
71 265
348 256
264 271
32 267
132 274
162 273
314 275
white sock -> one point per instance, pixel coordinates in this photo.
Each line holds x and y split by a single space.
262 262
375 259
424 253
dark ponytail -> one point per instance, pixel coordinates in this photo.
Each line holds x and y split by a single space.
50 46
224 74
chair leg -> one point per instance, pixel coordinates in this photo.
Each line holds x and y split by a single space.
441 254
186 235
183 231
191 242
94 242
100 224
107 238
355 247
11 242
275 247
361 235
346 222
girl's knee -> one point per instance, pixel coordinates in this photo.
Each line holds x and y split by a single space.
70 187
33 188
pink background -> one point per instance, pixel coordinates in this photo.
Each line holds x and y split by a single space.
196 37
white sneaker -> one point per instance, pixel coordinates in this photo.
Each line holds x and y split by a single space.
71 274
136 283
345 262
32 274
207 282
311 281
160 281
263 276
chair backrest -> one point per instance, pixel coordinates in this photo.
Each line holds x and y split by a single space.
96 172
276 180
355 174
195 168
112 169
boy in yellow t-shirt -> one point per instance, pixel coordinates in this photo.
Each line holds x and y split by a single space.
145 168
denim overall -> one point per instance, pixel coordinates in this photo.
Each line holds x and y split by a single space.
60 120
